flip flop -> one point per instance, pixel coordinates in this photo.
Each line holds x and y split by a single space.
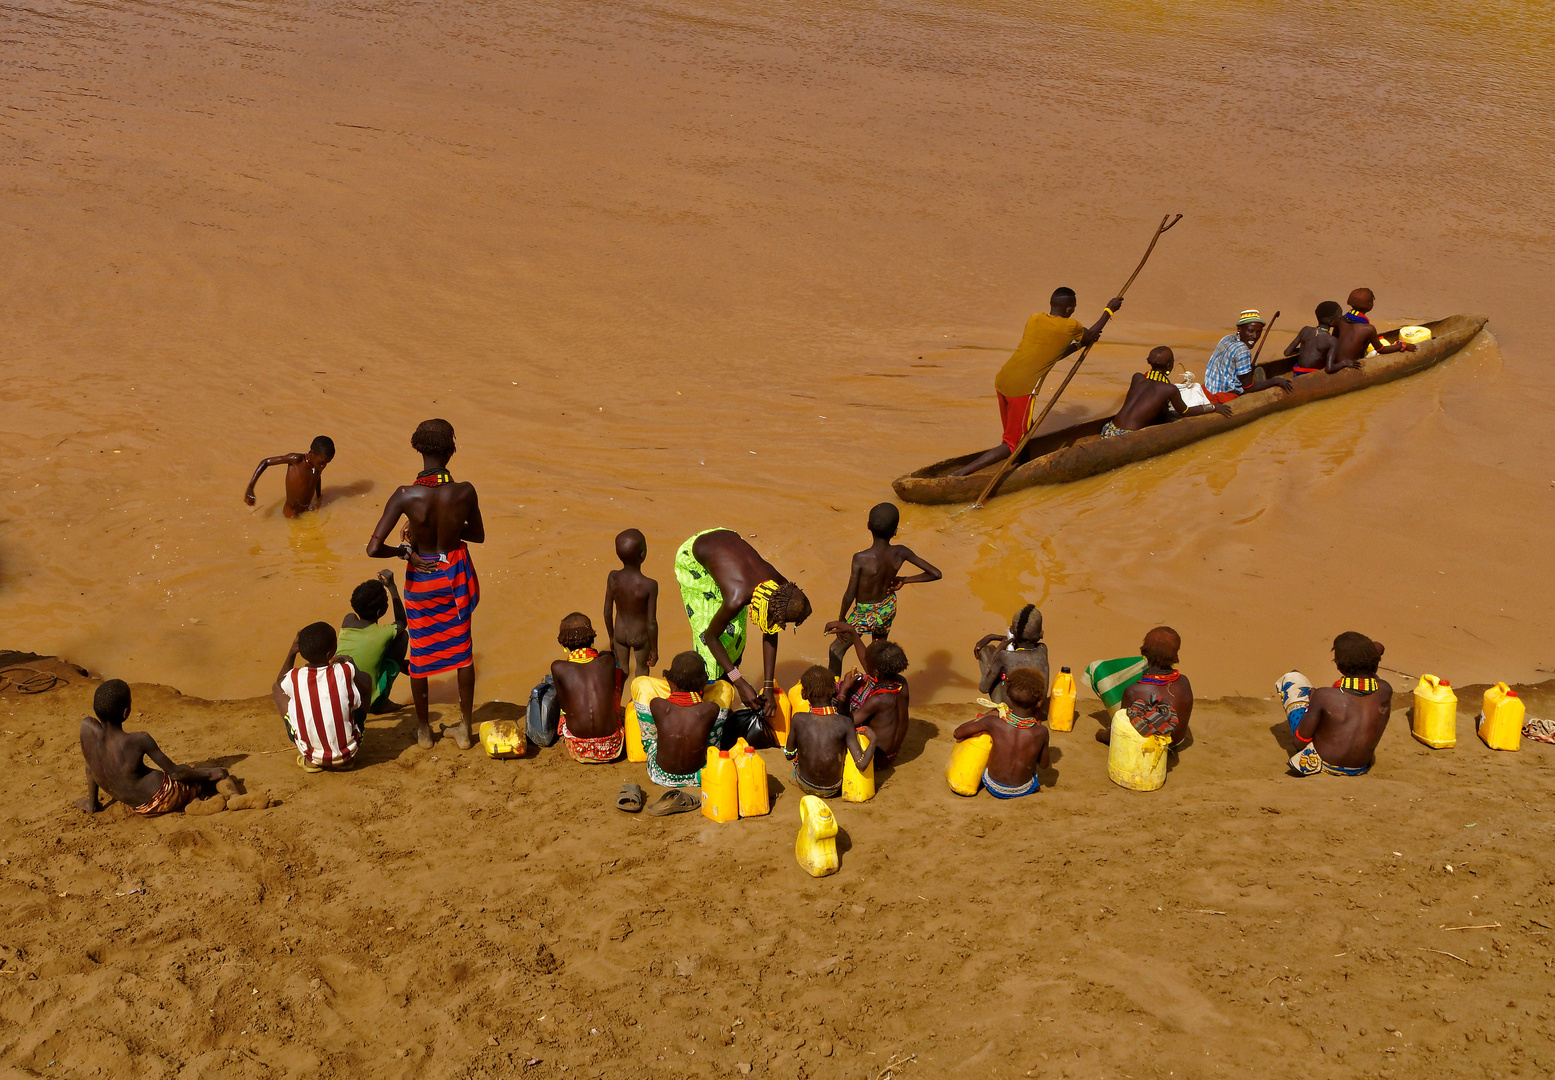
674 801
302 763
631 799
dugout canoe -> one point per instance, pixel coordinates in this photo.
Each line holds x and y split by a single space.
1076 452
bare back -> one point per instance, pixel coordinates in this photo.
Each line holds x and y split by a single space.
115 760
683 734
1017 752
1146 403
736 567
1345 727
437 519
633 596
886 717
876 571
1354 339
587 695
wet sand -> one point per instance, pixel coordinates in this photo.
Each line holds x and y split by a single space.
442 914
682 265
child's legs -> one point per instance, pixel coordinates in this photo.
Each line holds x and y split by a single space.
624 657
642 662
838 649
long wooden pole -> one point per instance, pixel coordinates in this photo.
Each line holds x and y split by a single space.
1263 337
1167 221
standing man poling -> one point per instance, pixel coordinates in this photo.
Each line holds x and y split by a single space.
441 516
721 577
1050 336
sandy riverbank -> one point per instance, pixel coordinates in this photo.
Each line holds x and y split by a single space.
435 913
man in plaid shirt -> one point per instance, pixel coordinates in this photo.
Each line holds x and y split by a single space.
1228 374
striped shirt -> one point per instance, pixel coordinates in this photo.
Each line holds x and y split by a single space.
1227 364
320 701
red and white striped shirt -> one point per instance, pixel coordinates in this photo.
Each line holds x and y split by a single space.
321 700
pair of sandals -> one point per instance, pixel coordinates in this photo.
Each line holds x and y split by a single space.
631 800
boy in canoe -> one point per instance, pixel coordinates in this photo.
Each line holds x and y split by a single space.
1020 741
1228 374
1357 334
1150 394
1338 727
304 476
1316 348
1050 336
869 601
818 740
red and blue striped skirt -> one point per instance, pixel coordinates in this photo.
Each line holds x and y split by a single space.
439 605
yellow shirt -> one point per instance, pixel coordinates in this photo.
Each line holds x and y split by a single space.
1045 339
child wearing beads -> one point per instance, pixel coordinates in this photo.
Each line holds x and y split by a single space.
1020 741
1337 727
818 739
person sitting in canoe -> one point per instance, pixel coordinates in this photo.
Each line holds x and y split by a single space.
1316 348
1357 334
1228 374
1150 394
1050 336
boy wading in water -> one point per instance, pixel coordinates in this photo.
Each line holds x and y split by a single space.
869 601
304 476
588 687
632 606
819 739
1316 348
1020 741
442 515
114 764
1338 727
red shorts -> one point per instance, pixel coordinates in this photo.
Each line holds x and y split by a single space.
1221 399
1014 414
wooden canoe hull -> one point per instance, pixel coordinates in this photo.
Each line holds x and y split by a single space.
1076 452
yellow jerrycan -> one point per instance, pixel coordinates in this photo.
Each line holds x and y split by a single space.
858 786
816 846
788 704
755 799
503 739
720 786
644 689
1135 761
1435 722
1501 724
1060 702
967 762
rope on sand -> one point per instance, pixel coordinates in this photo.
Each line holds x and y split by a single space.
35 682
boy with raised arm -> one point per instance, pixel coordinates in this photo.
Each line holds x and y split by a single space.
375 648
115 764
876 698
869 601
1020 741
588 687
819 739
442 518
632 606
1316 348
1338 727
1001 655
304 476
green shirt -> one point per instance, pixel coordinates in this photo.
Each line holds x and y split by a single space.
365 646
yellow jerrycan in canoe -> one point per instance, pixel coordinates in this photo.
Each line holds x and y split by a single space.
1135 761
1060 703
1414 335
964 771
755 798
720 786
1435 722
1501 724
816 845
858 786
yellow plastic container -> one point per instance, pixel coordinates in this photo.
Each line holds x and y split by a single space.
1415 335
503 739
967 762
1435 722
1060 702
1501 724
634 736
857 786
816 846
722 694
755 798
644 689
1135 761
720 786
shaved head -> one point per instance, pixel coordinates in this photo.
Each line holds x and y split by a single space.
1362 299
1161 647
1161 358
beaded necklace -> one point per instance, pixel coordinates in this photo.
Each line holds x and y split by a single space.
1358 686
434 478
823 710
1355 317
1156 376
1160 679
685 697
581 656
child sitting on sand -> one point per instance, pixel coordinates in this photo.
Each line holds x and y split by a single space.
878 696
869 601
632 606
1161 701
114 763
818 739
375 649
1020 741
678 732
324 702
1338 727
1021 646
588 688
